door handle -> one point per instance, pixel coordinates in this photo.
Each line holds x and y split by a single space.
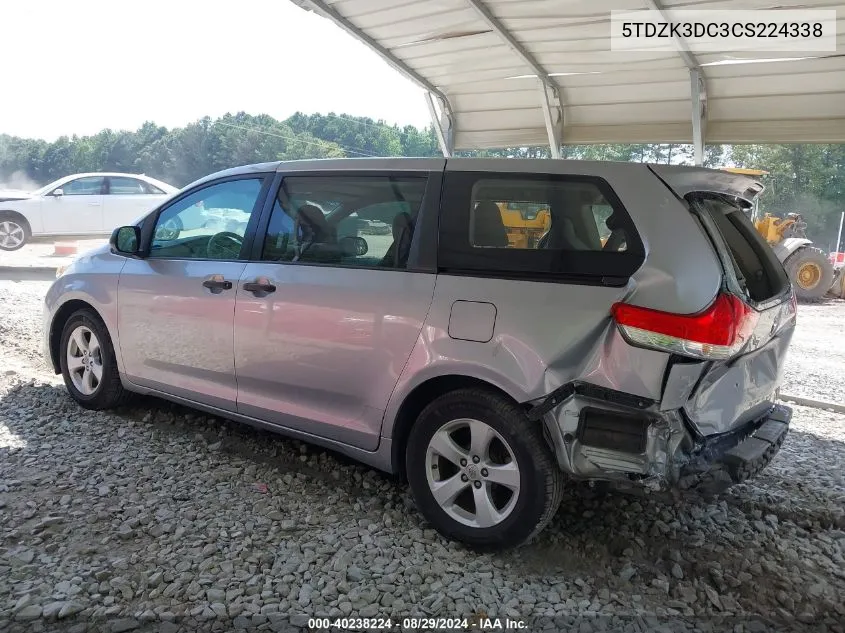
259 286
216 283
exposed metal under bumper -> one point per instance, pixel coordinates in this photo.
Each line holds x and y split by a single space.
655 451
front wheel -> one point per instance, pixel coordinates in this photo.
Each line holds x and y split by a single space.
88 363
13 233
480 471
810 272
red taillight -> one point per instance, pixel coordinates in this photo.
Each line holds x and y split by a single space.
717 333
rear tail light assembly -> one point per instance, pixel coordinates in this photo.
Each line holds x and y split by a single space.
717 333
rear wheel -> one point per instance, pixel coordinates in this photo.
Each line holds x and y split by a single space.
810 272
480 472
14 233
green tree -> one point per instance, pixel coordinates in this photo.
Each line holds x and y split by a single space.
805 179
809 179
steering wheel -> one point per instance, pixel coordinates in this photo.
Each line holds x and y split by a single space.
169 230
224 245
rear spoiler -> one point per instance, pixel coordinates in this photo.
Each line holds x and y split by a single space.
683 180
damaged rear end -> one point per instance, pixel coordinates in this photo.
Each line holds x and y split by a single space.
714 421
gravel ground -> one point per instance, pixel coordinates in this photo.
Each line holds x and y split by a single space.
816 364
154 518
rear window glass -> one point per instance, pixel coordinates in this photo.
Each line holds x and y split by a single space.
752 261
536 225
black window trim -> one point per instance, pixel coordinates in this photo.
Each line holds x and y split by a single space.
148 223
422 254
455 213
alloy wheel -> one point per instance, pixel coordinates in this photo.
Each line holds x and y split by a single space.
12 234
84 360
472 473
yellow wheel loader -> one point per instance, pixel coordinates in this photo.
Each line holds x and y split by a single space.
809 268
525 222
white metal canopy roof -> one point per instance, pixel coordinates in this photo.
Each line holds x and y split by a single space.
504 73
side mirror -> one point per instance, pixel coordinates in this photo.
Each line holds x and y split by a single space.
353 245
58 192
126 240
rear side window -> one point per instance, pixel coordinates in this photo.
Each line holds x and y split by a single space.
751 260
537 226
151 189
130 186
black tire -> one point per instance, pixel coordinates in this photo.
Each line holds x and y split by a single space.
19 222
809 255
541 480
109 393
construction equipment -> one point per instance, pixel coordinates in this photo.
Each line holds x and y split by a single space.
808 267
525 222
838 262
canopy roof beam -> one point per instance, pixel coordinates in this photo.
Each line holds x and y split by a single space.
490 77
321 7
552 106
680 45
500 30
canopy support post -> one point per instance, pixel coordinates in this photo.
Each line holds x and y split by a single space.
551 107
445 133
698 93
698 87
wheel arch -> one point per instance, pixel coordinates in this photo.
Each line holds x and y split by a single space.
16 215
63 313
418 398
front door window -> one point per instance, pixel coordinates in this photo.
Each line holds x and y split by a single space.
350 221
210 223
87 186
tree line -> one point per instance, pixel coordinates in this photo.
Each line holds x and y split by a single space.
809 179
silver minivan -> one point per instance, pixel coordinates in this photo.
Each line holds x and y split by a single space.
487 329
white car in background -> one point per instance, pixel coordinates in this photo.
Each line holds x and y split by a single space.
80 204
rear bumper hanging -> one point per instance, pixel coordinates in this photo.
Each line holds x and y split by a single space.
600 434
724 463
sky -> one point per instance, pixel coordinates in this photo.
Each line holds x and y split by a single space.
76 67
